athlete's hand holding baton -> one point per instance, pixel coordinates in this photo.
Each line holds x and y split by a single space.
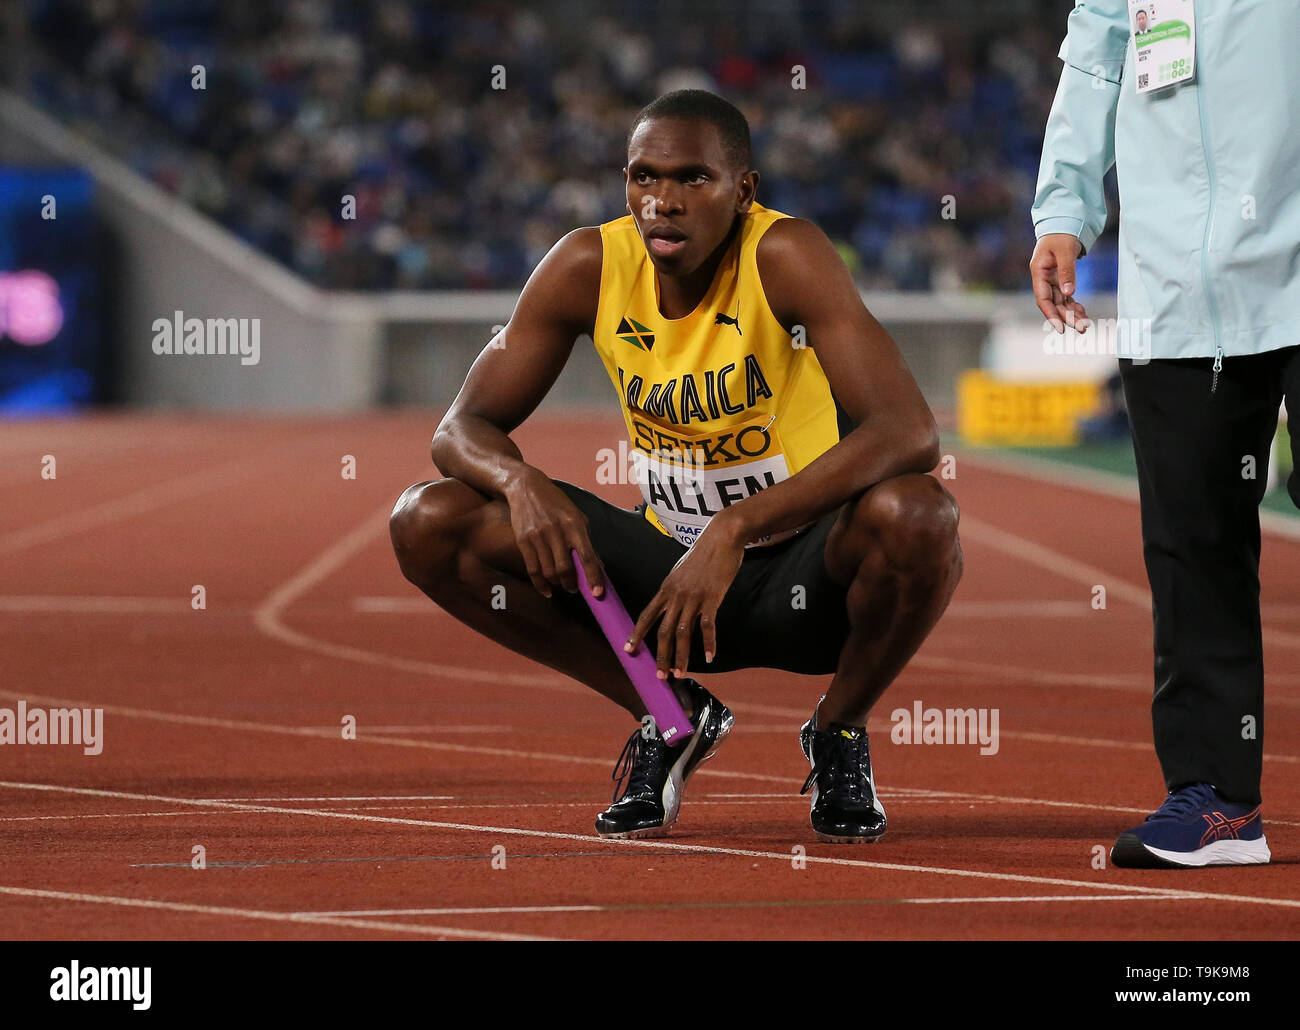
548 529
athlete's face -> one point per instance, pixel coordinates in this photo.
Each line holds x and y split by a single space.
683 191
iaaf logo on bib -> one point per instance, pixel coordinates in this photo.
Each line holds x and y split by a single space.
181 335
103 983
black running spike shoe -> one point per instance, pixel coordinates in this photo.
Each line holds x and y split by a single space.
656 773
845 809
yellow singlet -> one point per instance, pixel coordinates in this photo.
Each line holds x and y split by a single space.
719 404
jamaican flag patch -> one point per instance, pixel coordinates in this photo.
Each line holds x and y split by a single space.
633 332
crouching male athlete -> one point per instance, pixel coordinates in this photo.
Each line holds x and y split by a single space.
788 520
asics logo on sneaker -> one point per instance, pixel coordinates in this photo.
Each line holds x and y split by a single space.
1223 828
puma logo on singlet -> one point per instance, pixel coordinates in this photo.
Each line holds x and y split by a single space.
722 319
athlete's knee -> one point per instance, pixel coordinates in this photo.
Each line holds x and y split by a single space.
427 527
913 519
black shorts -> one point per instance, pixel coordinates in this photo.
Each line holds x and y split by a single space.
765 619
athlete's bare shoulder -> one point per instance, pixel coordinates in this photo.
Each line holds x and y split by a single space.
797 263
567 281
582 250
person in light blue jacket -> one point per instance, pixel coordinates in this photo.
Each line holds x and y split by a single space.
1207 158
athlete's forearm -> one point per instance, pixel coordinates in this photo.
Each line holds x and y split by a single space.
867 456
473 450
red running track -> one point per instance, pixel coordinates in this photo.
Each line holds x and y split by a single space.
222 726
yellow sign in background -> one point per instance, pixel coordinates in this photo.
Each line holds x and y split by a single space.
996 412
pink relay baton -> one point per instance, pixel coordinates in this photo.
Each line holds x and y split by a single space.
660 700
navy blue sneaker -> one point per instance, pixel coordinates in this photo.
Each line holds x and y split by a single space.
1194 827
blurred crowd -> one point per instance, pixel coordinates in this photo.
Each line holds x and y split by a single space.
458 184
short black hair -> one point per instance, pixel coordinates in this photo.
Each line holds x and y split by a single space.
701 105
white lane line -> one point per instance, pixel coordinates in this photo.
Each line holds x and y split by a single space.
268 618
1077 609
1098 481
405 605
785 794
1054 561
352 797
969 609
94 605
695 803
493 910
80 463
1280 609
426 806
121 605
899 794
831 903
593 804
1056 738
84 437
108 605
893 797
440 728
1081 572
1013 899
883 728
277 917
92 815
779 711
1120 682
331 735
1099 680
122 508
661 845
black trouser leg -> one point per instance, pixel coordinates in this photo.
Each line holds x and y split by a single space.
1291 391
1202 462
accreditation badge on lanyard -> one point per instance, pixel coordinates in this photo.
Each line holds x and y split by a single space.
1164 41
